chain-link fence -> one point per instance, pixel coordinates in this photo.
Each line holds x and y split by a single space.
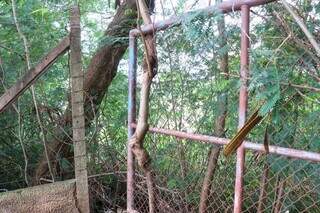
192 91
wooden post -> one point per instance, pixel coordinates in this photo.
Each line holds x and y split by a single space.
78 121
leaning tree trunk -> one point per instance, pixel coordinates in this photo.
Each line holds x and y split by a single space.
219 127
102 69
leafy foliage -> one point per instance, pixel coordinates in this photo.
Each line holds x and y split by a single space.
283 83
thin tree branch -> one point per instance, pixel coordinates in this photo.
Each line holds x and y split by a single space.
302 26
19 116
27 57
23 147
299 86
306 97
300 43
13 51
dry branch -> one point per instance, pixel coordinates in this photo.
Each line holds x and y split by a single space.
27 57
13 4
302 26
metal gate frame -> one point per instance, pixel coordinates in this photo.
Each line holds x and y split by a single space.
224 7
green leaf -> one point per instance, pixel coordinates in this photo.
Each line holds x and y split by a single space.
270 103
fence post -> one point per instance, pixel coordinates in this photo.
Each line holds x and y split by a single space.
131 118
78 121
243 102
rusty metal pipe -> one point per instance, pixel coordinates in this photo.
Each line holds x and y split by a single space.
223 7
131 118
287 152
243 105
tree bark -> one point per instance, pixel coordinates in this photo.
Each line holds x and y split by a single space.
279 195
219 128
101 70
150 65
263 189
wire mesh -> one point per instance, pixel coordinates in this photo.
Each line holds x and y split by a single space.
185 96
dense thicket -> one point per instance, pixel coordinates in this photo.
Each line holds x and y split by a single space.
185 94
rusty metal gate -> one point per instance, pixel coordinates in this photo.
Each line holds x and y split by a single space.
240 174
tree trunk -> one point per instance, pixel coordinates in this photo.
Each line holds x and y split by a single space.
279 195
219 128
263 189
102 69
150 65
207 182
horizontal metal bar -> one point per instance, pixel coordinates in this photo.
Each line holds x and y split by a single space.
223 7
288 152
33 74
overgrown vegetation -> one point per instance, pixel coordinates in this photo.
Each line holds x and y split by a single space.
284 80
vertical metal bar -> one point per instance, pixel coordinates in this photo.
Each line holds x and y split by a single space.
243 102
131 119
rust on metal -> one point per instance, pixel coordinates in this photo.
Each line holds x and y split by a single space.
234 5
223 7
287 152
33 74
243 104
